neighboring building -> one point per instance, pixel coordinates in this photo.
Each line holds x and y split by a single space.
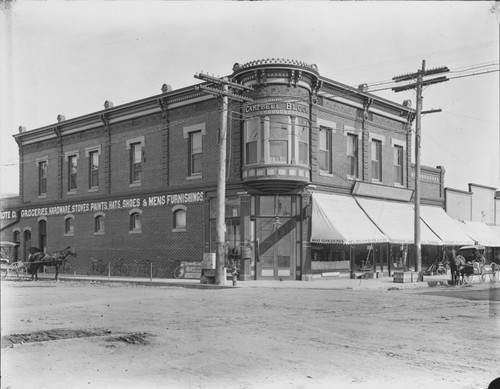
478 213
319 179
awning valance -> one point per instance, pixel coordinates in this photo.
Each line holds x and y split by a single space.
444 226
481 233
338 219
396 221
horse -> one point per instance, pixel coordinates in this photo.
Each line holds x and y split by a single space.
31 266
38 258
457 264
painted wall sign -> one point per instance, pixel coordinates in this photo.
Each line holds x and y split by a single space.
7 215
109 205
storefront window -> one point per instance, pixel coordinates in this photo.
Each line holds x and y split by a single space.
330 257
232 207
275 205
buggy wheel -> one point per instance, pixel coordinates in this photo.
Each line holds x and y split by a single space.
468 278
494 272
22 272
482 274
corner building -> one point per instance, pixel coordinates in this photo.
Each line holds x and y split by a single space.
319 180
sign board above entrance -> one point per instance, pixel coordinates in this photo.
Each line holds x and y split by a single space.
381 192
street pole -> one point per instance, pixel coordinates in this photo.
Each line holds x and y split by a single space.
418 85
220 220
418 246
219 87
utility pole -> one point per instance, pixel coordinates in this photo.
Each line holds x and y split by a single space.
220 87
418 85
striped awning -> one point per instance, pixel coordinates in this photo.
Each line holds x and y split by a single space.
444 226
338 219
481 233
396 221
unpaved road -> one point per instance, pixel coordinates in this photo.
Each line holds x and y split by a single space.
92 335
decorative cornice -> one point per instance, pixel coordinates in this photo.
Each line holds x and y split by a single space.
274 61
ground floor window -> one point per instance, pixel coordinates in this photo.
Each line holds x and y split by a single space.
329 258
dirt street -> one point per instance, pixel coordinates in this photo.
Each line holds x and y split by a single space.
93 335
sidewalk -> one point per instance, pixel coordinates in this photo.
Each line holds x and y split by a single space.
385 283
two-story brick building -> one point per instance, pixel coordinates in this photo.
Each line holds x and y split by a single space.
319 179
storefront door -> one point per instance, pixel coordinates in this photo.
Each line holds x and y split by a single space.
276 248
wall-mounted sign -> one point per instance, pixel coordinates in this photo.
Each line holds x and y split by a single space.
110 205
278 108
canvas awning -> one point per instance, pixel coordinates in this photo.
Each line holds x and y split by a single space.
444 226
481 233
396 221
338 219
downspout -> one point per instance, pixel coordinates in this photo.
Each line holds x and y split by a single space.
365 137
21 164
410 118
57 131
162 102
107 175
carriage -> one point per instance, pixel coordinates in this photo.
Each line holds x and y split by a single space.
36 259
8 265
475 265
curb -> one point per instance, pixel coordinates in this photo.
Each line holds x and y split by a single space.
385 285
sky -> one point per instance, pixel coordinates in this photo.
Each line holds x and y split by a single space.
69 57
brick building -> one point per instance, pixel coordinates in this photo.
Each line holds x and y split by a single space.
319 179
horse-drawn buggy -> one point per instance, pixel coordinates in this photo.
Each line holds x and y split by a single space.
469 262
36 260
8 264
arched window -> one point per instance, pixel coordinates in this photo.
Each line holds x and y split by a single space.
135 221
99 223
179 218
16 239
69 225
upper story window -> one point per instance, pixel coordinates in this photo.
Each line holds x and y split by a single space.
252 128
302 135
135 162
72 172
42 178
325 149
376 156
194 137
94 169
136 152
195 149
398 164
278 138
352 155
